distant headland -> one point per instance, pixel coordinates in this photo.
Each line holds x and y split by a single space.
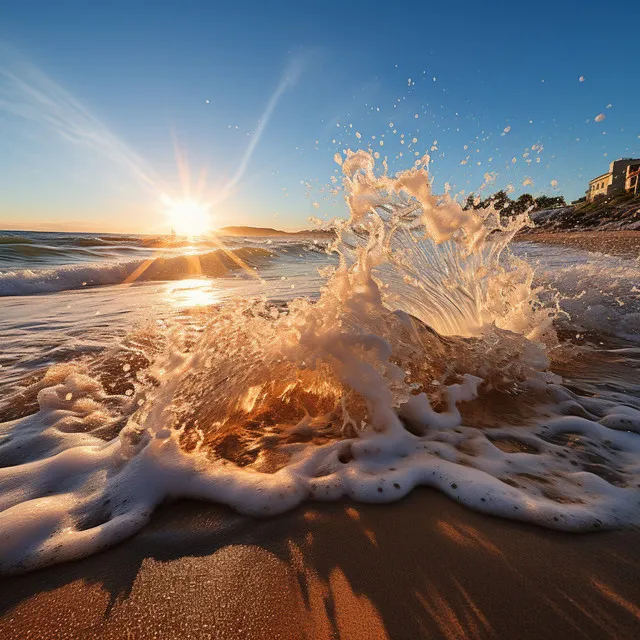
268 231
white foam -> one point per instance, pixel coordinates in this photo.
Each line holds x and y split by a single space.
599 293
76 494
354 395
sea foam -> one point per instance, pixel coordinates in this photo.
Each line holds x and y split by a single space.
427 360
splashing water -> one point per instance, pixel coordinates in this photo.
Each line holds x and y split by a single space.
425 361
435 261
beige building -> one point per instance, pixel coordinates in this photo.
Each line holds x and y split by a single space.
632 181
623 175
599 186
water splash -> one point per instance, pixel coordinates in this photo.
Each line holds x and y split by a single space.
425 361
446 266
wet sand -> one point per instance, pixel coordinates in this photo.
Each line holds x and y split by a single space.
618 243
420 568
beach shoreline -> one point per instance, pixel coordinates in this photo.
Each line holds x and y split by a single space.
624 243
422 567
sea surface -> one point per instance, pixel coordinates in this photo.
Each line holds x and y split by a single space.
63 295
423 346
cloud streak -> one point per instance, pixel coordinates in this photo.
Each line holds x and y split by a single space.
289 78
28 93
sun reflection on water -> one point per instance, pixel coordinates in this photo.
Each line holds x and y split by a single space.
192 292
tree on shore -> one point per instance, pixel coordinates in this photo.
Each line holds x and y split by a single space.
547 202
508 207
470 202
526 202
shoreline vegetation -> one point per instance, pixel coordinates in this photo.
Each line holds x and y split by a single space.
607 225
621 211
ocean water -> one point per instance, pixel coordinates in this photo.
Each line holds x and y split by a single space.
422 346
64 294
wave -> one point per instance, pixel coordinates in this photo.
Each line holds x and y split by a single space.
13 240
427 360
88 242
216 263
29 251
148 242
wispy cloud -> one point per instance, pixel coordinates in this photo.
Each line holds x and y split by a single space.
289 78
28 93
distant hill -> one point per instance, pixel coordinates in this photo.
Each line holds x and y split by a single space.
268 231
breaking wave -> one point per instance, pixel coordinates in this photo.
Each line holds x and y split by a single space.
13 240
216 263
427 360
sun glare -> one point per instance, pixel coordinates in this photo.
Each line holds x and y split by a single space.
189 218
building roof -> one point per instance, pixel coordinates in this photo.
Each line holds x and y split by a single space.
604 175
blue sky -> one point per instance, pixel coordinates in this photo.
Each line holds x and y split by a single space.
96 99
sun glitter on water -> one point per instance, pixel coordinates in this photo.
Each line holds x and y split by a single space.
189 218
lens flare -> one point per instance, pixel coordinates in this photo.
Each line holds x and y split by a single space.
189 218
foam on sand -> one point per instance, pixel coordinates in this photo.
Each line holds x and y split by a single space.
425 361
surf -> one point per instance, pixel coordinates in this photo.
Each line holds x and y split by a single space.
427 360
216 263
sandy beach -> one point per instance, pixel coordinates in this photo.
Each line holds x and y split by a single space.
421 568
317 327
619 243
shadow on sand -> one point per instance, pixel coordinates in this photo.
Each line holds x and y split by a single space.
422 567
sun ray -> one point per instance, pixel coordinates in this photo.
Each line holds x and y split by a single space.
189 218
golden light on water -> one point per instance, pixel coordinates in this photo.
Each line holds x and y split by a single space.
188 217
193 292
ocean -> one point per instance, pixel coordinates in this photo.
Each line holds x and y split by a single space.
425 345
63 293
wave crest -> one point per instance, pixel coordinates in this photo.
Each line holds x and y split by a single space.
214 264
423 362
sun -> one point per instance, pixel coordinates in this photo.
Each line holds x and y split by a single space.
189 218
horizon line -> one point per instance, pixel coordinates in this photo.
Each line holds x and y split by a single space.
146 233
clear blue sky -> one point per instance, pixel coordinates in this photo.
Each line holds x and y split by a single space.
95 98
